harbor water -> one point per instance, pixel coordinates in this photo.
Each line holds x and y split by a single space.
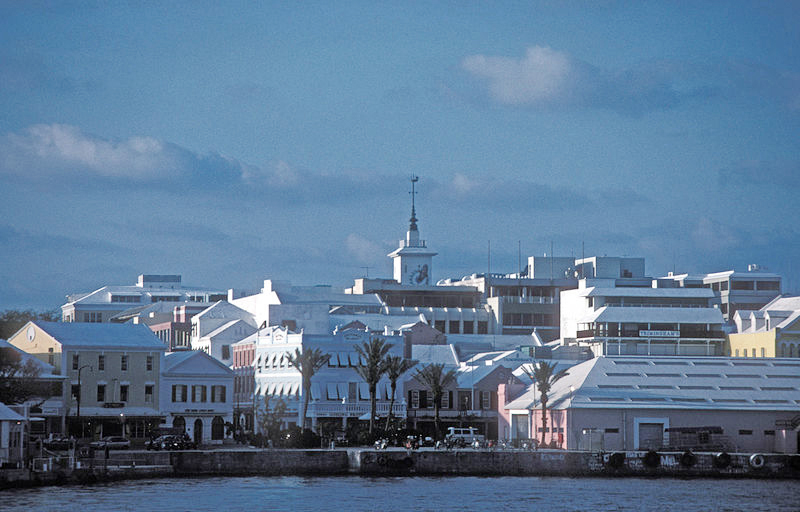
353 493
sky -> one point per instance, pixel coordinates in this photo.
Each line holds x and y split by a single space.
231 142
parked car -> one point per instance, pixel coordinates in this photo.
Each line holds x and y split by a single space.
171 442
112 443
57 443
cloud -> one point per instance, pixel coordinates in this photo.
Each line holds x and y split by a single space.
542 76
546 78
362 249
63 150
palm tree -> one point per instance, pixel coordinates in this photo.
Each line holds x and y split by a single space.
307 362
544 375
434 378
395 366
372 352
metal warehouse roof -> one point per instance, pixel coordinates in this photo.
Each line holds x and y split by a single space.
675 383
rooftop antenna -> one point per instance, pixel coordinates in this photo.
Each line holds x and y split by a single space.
366 272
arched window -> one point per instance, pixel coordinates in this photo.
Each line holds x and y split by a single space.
217 428
791 350
179 423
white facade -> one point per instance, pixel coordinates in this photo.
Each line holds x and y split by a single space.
220 326
336 389
196 396
104 303
641 321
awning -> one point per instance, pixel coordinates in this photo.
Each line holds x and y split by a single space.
333 393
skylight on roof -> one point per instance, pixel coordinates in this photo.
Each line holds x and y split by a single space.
631 362
612 374
777 388
736 388
695 387
650 374
614 386
705 375
773 376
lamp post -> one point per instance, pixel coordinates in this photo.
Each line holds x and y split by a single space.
78 415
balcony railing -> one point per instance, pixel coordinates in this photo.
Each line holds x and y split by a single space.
699 334
535 299
353 409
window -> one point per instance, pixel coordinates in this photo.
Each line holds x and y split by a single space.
101 392
51 357
415 399
123 393
745 432
217 428
179 392
218 394
483 327
454 327
469 328
612 431
763 352
149 363
148 394
737 353
769 432
76 361
486 399
101 363
445 402
198 393
75 391
123 363
93 317
226 351
742 285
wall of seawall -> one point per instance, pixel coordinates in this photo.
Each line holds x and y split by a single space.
263 462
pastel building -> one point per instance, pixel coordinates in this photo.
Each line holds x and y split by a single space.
644 403
772 331
112 373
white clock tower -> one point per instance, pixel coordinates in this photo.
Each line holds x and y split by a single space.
413 262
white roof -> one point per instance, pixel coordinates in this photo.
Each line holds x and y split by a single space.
680 293
80 334
655 315
6 414
676 383
439 354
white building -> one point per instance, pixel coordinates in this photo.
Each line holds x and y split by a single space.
615 320
196 396
734 290
104 303
220 326
12 432
337 392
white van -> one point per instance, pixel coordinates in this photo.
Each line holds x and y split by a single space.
468 434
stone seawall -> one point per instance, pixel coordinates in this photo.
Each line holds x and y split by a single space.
395 462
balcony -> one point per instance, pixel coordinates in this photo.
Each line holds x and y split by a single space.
330 409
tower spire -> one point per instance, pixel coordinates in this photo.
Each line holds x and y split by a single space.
414 180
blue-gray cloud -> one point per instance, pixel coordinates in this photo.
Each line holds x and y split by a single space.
547 78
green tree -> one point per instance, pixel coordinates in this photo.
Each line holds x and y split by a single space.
17 376
435 379
395 366
544 375
372 352
307 362
12 320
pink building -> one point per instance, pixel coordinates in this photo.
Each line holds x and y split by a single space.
643 403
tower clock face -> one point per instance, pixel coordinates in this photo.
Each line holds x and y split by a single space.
419 275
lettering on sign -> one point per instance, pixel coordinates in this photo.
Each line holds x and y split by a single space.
660 334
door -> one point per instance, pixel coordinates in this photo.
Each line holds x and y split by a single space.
651 436
198 431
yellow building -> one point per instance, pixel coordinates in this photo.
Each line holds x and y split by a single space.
112 375
772 331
